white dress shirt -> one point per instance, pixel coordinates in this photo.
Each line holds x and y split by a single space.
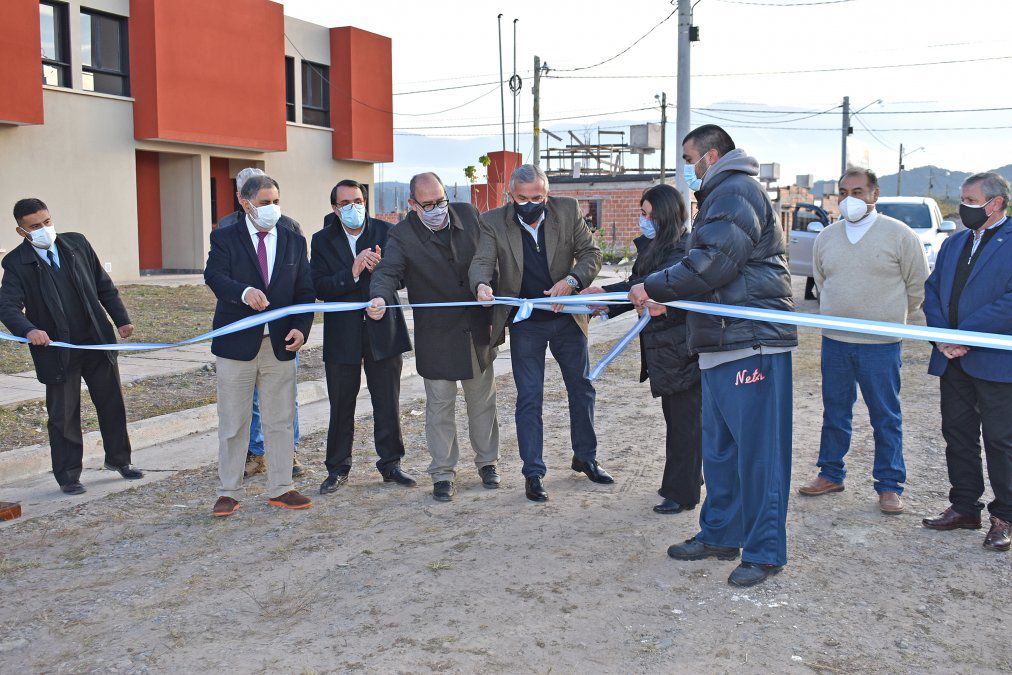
353 241
533 229
271 244
857 230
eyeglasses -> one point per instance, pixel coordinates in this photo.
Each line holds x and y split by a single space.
440 204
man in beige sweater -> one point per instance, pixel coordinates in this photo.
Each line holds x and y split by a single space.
866 266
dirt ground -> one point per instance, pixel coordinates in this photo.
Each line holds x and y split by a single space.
382 578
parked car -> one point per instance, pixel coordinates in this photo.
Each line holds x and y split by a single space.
920 213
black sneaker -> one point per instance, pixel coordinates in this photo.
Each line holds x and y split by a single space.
442 491
697 550
333 481
749 574
489 476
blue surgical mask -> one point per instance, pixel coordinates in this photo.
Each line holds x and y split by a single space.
689 172
647 227
352 215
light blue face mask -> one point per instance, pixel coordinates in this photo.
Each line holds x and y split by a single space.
689 172
352 215
647 227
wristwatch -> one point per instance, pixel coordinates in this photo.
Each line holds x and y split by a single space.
573 282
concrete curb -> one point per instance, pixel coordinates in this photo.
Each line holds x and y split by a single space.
35 459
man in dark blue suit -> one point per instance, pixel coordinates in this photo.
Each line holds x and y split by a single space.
251 267
345 253
971 289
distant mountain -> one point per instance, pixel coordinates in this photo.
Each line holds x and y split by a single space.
393 196
925 181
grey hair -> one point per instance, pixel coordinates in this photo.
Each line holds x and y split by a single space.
861 171
527 173
255 184
993 185
244 176
418 176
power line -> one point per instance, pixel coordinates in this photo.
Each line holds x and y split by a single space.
784 72
705 113
873 134
553 119
636 42
792 4
869 112
459 86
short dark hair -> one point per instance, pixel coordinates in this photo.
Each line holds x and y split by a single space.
348 183
414 181
254 184
28 206
861 171
708 137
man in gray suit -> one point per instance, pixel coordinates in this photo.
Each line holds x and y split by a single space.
429 252
541 247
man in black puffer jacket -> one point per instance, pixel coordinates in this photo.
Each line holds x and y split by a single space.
736 256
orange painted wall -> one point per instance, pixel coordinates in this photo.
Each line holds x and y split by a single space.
361 95
209 72
149 211
20 49
223 186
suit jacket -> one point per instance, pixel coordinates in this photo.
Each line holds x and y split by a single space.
985 304
232 266
433 272
27 287
570 248
331 265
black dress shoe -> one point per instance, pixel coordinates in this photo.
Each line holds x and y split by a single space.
489 476
693 549
126 471
671 506
535 490
594 471
73 489
334 481
442 491
399 477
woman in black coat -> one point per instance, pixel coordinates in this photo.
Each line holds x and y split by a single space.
673 372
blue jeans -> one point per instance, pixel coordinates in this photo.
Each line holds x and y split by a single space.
876 369
256 432
747 412
528 341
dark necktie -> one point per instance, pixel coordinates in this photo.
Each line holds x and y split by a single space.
262 257
52 259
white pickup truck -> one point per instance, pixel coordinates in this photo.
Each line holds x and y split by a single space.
920 213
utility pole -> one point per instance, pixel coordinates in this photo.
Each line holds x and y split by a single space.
683 111
516 103
899 174
502 95
846 132
537 110
664 129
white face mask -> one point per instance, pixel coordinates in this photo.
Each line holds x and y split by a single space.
267 216
43 237
853 209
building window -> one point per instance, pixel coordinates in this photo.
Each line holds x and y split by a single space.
104 59
290 88
55 44
315 94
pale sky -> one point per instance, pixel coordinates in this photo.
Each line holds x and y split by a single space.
448 43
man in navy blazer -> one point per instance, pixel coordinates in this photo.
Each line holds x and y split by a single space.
252 267
971 289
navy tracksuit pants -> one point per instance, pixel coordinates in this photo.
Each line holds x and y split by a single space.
747 410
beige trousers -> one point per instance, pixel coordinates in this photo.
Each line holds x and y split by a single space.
441 423
276 382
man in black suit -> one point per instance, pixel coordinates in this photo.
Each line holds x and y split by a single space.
54 288
345 252
251 267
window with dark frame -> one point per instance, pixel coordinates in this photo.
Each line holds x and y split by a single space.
105 63
315 94
55 33
290 88
214 200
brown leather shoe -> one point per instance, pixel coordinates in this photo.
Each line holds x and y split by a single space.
999 537
291 500
254 464
890 502
952 520
820 486
225 506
